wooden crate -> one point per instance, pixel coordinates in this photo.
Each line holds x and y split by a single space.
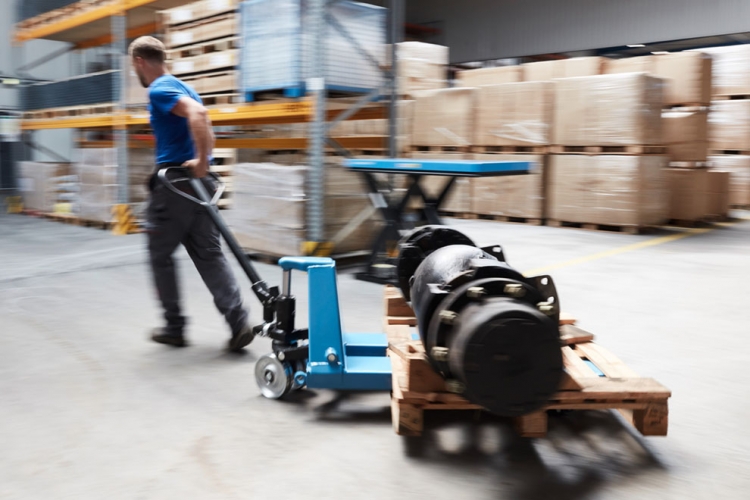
611 385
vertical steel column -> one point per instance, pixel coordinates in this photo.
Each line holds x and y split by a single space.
120 49
316 86
395 29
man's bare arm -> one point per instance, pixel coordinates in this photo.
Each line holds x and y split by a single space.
201 130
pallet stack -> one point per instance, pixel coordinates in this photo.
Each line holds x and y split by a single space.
608 155
443 129
687 96
513 123
202 41
270 206
730 120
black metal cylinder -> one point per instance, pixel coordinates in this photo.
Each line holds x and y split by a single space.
490 331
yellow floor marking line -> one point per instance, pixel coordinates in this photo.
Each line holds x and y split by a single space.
629 248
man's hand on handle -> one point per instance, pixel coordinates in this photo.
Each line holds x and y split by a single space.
198 167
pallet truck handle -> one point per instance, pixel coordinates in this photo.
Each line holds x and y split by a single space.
265 295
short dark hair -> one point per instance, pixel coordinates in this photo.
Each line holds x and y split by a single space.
149 49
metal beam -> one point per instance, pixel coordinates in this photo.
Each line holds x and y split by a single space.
316 84
146 29
120 49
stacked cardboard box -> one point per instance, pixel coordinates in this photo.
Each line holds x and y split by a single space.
489 76
563 68
201 40
626 190
444 118
271 202
729 121
421 66
519 196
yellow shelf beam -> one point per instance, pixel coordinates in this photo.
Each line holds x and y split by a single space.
265 113
146 29
77 19
269 143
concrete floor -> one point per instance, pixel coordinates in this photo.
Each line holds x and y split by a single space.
89 409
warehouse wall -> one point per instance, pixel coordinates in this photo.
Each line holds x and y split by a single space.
489 29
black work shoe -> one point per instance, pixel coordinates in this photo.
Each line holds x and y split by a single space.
162 336
240 340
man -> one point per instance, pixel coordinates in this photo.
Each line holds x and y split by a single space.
184 137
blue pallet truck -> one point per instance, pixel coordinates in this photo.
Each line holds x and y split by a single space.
320 356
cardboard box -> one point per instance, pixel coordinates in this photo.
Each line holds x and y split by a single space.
514 114
731 69
688 196
642 64
421 66
202 30
444 117
607 189
510 196
212 61
729 125
717 188
197 10
38 184
223 81
738 167
608 110
687 76
489 76
686 134
562 68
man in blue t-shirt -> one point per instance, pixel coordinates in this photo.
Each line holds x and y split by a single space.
184 137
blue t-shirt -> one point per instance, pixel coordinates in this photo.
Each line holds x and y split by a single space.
174 144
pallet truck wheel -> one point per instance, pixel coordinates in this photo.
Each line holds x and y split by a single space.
274 377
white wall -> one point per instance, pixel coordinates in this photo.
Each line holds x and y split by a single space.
491 29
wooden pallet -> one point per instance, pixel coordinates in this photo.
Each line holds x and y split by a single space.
537 150
458 215
609 150
71 111
441 149
602 227
738 97
743 152
69 219
214 82
532 221
221 99
689 164
199 49
202 30
611 385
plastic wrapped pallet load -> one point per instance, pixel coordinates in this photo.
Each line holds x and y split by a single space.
421 66
687 75
688 195
277 46
731 69
607 189
38 183
489 76
444 118
686 134
608 110
562 68
270 208
738 167
513 195
514 114
729 125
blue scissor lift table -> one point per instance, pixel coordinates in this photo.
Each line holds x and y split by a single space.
394 208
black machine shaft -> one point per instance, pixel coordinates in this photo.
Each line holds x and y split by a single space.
489 330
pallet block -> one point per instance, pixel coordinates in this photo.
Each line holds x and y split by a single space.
608 384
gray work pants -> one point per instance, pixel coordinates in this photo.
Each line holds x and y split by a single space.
173 220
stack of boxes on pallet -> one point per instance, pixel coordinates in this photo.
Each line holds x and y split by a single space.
203 47
270 208
730 121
